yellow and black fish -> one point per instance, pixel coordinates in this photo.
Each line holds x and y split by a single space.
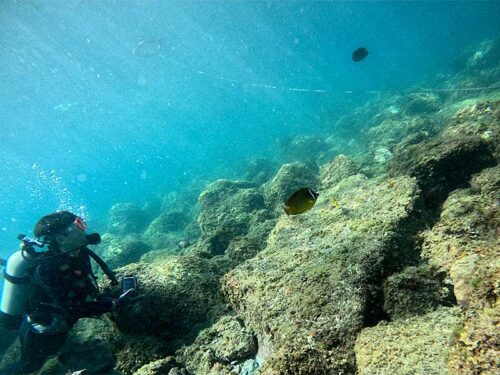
300 201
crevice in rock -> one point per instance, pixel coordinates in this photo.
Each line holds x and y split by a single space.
436 181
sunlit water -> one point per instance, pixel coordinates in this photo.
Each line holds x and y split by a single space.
113 101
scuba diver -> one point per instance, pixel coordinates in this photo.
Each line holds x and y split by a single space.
45 293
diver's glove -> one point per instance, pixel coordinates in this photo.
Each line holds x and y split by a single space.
130 297
58 325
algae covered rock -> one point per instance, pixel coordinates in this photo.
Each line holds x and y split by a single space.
126 218
391 131
444 164
154 255
231 211
181 294
419 345
246 247
225 202
317 283
219 349
91 346
120 251
465 243
421 103
388 136
159 367
259 171
465 240
166 230
173 221
289 178
480 119
336 170
416 291
135 351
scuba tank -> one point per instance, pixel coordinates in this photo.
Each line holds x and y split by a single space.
16 285
18 273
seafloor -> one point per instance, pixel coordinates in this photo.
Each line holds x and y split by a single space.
394 271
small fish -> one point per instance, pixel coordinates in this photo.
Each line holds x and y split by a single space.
79 372
359 54
300 201
334 202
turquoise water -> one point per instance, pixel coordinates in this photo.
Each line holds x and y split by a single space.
115 101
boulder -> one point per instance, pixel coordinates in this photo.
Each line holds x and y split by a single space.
464 243
118 251
289 178
336 170
416 291
219 349
421 103
318 281
126 218
181 295
419 345
259 171
228 203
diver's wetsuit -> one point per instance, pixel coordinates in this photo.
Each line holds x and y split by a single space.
64 290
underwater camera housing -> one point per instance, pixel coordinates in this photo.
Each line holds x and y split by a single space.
128 282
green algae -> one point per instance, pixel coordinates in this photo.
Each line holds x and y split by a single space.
417 346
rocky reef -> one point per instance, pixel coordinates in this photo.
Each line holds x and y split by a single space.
394 271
